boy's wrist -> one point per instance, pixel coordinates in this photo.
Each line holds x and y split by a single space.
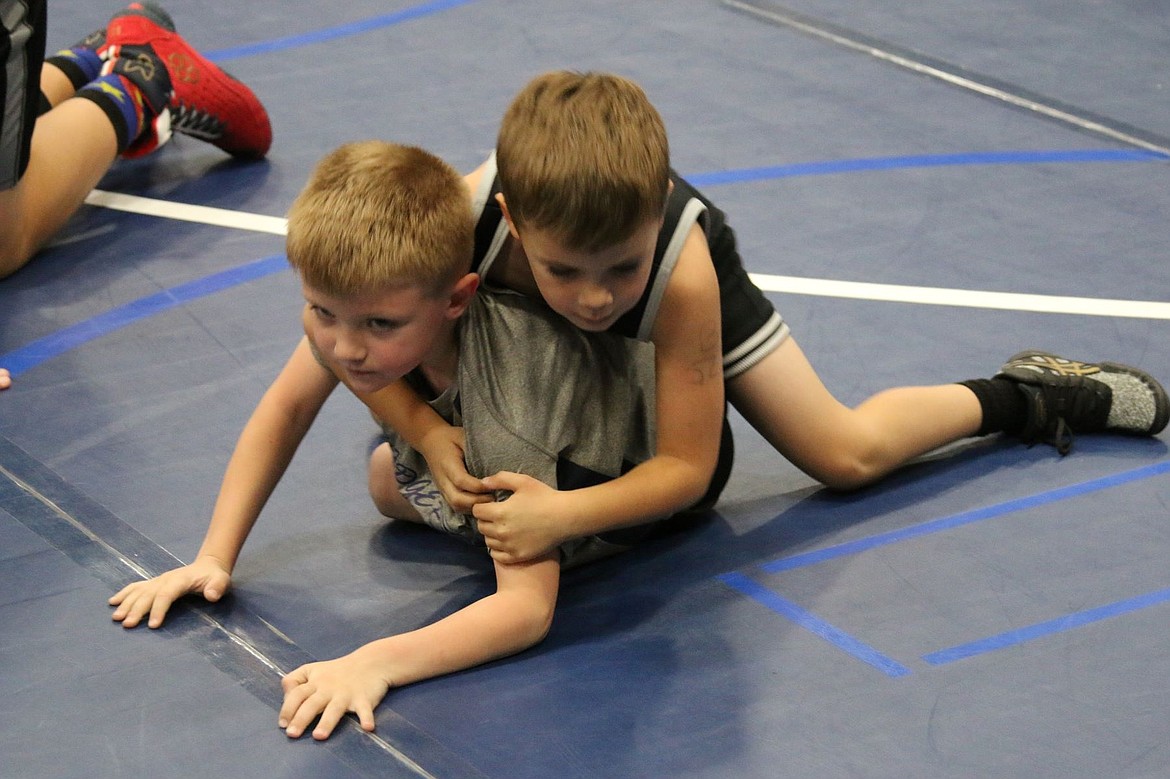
217 560
580 515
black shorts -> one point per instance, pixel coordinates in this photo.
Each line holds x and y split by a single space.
22 51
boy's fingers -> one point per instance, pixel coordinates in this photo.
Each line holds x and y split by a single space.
365 715
507 481
130 611
292 680
468 483
464 502
158 611
305 714
500 556
502 480
329 719
120 595
290 717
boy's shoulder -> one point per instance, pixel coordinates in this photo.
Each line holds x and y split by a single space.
480 182
473 179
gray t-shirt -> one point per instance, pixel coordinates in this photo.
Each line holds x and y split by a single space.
535 395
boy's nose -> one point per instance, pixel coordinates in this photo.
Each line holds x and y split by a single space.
349 348
596 298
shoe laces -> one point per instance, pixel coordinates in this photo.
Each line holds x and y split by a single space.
198 124
1062 437
1081 398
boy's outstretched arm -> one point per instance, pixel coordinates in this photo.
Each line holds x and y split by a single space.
689 408
262 453
514 618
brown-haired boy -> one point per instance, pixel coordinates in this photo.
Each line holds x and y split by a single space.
382 238
579 206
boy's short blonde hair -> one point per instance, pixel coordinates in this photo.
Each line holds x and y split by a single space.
584 156
375 215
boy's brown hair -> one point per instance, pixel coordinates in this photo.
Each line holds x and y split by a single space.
375 215
584 156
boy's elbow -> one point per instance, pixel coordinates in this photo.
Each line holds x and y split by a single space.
532 623
538 623
696 484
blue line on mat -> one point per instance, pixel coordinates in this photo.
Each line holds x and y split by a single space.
332 33
32 354
922 161
966 518
1058 625
814 624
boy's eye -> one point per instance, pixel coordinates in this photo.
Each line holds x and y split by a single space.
322 313
383 325
625 269
561 272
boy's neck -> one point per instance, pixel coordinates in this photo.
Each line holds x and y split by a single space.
512 271
441 364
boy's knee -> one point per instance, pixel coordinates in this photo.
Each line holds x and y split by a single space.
383 486
847 475
12 259
14 249
857 465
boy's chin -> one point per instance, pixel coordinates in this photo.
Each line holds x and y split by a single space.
593 325
367 382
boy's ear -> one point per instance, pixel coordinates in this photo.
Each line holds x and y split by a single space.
507 215
666 201
461 295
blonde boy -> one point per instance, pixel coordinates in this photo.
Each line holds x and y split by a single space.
382 238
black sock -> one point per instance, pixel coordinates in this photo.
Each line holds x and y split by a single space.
80 64
1005 409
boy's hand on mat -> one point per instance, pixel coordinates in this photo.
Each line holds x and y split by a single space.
331 689
526 525
5 379
206 576
443 450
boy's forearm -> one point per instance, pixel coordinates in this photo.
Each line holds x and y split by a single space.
262 453
514 618
399 407
252 474
656 489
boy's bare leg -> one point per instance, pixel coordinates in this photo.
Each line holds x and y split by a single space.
845 448
55 85
72 148
384 487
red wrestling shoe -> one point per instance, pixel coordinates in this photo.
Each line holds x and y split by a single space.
205 101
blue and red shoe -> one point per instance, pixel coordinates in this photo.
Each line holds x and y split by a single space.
186 92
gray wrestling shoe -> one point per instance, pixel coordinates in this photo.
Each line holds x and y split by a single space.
1067 395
